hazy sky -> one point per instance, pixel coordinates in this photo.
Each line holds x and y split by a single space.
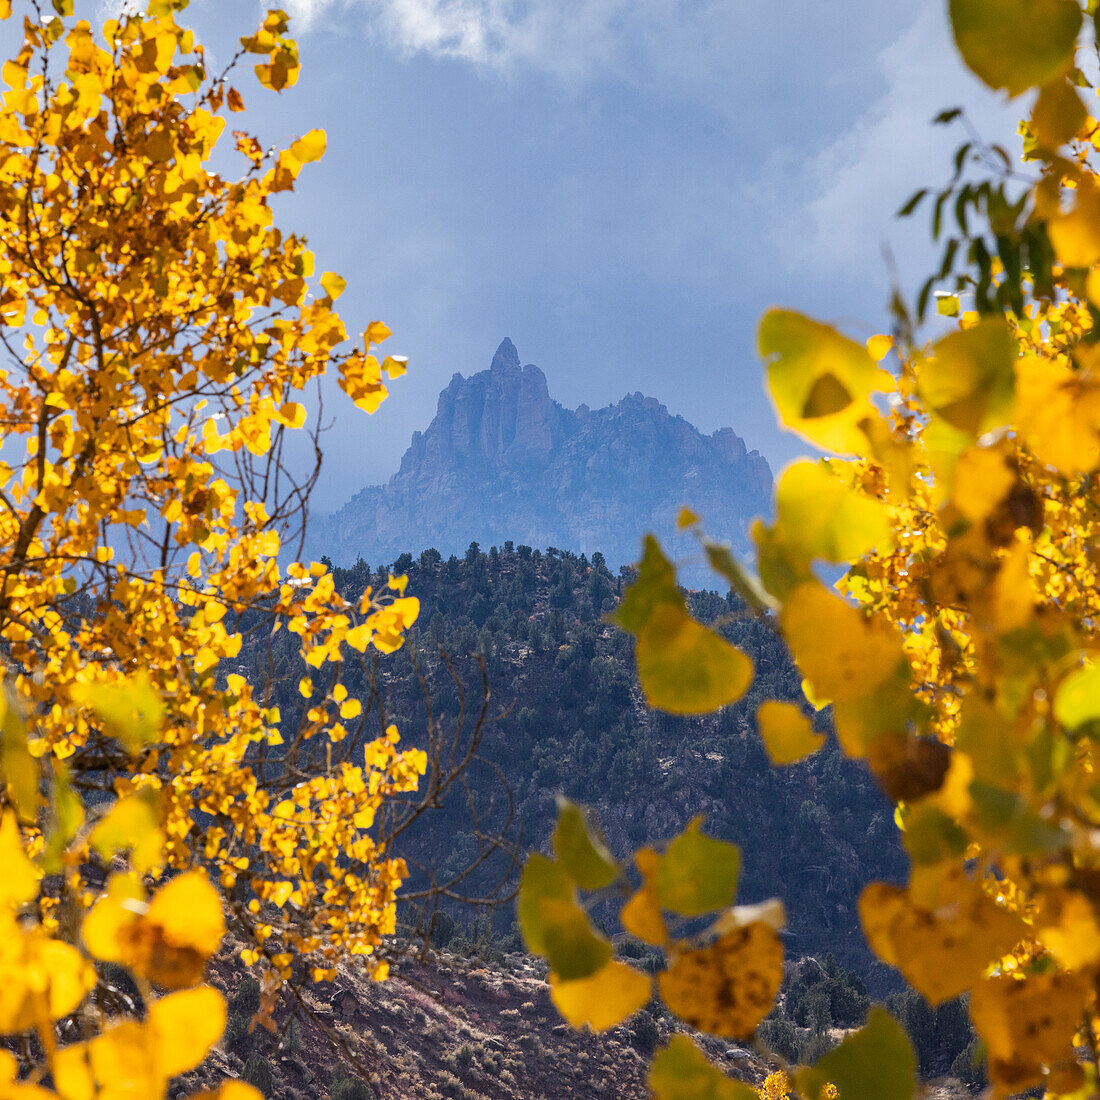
620 186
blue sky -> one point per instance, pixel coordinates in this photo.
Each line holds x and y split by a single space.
620 187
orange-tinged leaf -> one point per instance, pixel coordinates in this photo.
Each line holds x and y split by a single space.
729 987
292 414
786 732
641 915
376 333
604 999
106 929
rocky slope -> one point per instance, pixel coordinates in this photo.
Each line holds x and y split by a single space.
447 1027
502 460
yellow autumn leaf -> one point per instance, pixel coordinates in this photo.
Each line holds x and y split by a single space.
1058 114
376 332
942 952
819 514
728 987
188 911
983 478
184 1027
820 381
292 414
19 882
641 915
1028 1026
786 732
1067 927
681 1071
604 999
1057 411
843 654
310 147
106 928
333 284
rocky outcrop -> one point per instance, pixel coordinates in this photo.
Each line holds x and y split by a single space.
503 461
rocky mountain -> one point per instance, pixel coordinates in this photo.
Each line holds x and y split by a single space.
503 461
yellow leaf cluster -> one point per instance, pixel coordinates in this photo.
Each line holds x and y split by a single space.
162 336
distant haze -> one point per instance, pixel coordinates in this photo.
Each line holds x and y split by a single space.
501 461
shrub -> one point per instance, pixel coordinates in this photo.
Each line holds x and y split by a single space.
643 1033
257 1073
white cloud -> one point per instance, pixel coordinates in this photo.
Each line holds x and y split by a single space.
702 50
841 202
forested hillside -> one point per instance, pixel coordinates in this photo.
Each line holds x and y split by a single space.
566 716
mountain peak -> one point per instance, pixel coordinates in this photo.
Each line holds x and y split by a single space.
506 357
503 461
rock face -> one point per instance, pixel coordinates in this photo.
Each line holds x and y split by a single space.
502 461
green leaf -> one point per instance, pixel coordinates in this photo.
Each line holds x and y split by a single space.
133 823
554 925
697 874
681 1071
18 768
819 515
1077 701
63 7
932 837
1012 824
585 858
656 585
876 1063
66 815
820 380
131 710
1016 44
685 668
969 381
722 561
